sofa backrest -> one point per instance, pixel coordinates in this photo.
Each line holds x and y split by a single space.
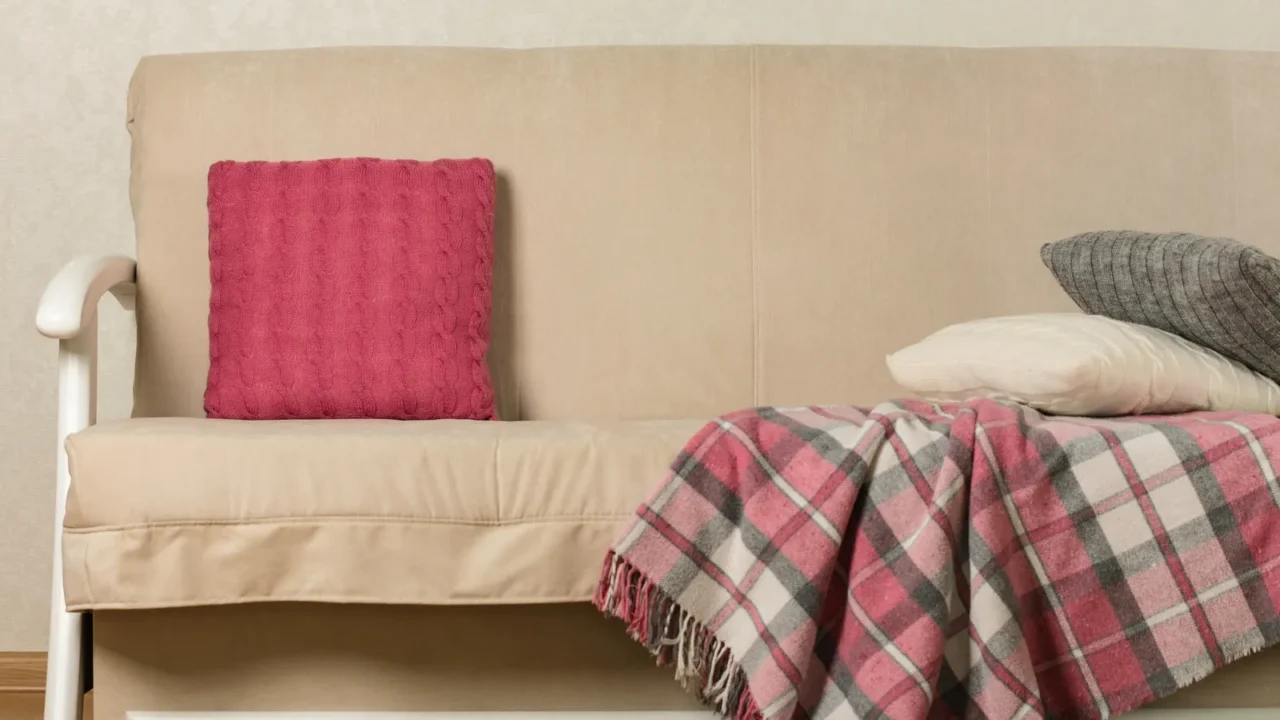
687 230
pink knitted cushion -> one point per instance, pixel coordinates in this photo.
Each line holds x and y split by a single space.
354 288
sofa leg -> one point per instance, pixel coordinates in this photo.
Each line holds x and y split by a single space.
64 689
77 401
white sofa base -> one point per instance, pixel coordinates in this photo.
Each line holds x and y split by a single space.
68 312
623 715
1141 714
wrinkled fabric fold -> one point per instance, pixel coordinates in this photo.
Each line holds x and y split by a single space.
925 560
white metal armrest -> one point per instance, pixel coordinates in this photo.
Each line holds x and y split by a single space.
68 311
70 301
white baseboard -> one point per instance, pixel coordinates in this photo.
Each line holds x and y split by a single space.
616 715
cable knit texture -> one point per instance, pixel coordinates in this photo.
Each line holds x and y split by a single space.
351 288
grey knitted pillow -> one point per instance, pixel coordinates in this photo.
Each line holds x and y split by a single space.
1215 292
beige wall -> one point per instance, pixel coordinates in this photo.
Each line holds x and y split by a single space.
64 152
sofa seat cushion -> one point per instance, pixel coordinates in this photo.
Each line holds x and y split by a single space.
168 512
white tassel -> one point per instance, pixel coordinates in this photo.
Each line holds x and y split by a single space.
614 581
669 638
684 668
700 659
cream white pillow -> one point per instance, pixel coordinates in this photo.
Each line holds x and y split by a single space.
1071 364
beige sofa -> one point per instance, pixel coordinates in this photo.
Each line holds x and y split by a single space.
682 231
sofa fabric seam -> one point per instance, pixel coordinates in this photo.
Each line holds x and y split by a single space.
343 519
757 361
334 599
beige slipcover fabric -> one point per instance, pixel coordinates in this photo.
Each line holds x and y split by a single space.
681 231
551 658
310 657
688 230
170 512
622 276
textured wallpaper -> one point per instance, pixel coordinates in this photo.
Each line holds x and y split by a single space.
64 153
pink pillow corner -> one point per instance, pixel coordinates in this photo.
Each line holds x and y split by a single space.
350 288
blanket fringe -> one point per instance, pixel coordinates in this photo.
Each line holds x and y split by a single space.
702 662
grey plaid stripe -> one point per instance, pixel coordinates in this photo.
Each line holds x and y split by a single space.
806 597
1225 528
1114 575
990 572
1089 527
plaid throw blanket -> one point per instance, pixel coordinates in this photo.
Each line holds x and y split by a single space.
975 560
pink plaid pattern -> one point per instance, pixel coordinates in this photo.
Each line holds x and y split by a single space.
957 560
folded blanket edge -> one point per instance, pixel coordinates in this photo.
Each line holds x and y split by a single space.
703 663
